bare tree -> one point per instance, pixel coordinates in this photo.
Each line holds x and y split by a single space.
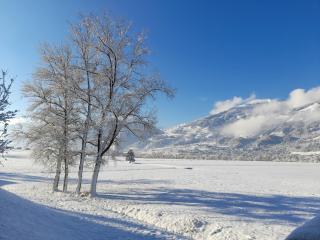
53 109
94 91
86 62
124 87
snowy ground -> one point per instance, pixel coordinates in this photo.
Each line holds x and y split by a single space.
161 199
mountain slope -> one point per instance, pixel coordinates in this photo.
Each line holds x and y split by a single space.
257 129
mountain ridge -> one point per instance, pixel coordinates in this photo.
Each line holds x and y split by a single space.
257 129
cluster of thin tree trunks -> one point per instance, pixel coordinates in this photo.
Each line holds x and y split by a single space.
89 94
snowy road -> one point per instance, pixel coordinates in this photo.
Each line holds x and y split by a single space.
216 200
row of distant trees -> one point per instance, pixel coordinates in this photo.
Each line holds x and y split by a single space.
87 93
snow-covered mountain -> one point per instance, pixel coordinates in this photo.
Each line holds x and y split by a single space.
250 129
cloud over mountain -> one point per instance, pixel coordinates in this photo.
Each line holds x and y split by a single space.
270 112
246 128
225 105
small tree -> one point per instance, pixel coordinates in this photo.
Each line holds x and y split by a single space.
130 156
5 114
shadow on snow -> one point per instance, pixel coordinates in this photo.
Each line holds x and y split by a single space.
21 218
268 208
279 208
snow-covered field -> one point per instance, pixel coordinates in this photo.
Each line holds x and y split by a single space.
161 199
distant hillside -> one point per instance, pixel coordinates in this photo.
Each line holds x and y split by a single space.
253 129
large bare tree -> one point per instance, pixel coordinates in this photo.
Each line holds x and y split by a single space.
125 87
86 62
53 109
92 92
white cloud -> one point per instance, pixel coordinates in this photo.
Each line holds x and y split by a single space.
300 97
222 106
250 126
267 114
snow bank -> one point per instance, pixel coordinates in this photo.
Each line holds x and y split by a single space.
186 225
309 231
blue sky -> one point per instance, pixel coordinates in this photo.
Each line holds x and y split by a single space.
208 50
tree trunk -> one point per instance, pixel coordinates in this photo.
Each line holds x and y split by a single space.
81 163
93 188
85 135
66 148
57 176
66 173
